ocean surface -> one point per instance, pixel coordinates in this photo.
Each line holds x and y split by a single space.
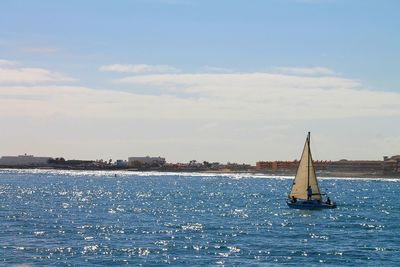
77 218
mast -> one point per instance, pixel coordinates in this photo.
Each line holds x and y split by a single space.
308 160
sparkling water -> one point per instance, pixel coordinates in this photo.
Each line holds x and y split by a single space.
77 218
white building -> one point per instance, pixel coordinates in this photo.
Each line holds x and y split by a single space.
24 160
150 161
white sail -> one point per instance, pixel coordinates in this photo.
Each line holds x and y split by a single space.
305 176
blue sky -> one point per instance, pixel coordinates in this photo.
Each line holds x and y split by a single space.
357 38
175 55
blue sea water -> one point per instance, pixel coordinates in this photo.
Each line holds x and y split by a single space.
76 218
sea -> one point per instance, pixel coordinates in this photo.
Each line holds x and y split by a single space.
114 218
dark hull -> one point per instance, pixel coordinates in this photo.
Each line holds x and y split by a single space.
310 205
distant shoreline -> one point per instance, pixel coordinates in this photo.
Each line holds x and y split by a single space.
322 174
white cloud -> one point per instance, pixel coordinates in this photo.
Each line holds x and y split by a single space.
39 50
139 68
212 69
31 75
314 71
245 96
255 95
83 102
7 62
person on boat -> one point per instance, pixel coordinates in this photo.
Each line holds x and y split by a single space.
328 201
309 193
294 199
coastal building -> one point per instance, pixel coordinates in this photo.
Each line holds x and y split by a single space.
138 162
392 164
24 160
331 166
355 166
276 165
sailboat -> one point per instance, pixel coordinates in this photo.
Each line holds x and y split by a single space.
305 193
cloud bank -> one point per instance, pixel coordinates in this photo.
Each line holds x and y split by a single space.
139 68
314 71
207 116
7 62
222 96
267 95
11 73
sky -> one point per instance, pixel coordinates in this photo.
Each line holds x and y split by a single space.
221 81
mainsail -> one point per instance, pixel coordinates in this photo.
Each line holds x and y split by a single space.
305 176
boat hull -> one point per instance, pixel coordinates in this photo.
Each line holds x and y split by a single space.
310 205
